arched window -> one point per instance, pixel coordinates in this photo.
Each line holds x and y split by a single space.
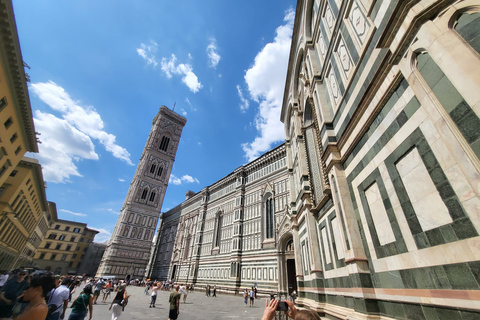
289 246
152 196
160 171
269 217
164 143
219 230
467 27
144 194
125 231
153 167
134 232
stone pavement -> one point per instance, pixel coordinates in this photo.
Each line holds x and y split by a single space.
198 306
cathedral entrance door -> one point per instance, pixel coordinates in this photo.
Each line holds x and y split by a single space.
291 276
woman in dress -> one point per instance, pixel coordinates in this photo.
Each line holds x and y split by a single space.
116 304
35 296
81 303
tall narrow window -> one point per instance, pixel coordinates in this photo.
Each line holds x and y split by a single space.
144 194
269 218
219 231
152 196
160 171
164 143
152 168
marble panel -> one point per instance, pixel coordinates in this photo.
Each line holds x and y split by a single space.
379 215
328 258
426 201
337 234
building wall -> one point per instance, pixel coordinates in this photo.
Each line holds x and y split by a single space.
91 260
127 254
381 113
219 236
25 219
17 134
64 246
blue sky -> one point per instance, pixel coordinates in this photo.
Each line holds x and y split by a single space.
100 70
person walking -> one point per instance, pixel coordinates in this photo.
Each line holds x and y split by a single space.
98 288
37 309
107 290
185 293
81 303
153 296
58 297
215 291
245 296
174 300
119 302
252 297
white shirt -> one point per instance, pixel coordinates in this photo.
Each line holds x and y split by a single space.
3 279
154 291
59 296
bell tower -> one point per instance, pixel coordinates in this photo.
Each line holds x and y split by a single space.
128 250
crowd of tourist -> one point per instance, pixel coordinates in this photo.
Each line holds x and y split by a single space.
44 296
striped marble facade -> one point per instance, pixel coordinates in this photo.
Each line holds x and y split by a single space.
384 98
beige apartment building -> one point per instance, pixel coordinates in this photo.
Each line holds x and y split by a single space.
23 212
64 246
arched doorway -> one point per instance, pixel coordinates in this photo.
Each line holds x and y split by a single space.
286 255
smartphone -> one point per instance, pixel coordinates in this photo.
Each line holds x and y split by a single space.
282 306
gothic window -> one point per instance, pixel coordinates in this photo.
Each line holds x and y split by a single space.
152 168
269 217
467 27
152 196
140 233
160 171
134 232
125 231
144 194
218 236
289 246
147 235
164 143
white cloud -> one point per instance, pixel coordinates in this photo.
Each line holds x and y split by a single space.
103 235
121 180
190 104
189 179
170 68
68 139
185 178
266 83
113 211
183 112
73 213
147 52
176 181
244 103
212 53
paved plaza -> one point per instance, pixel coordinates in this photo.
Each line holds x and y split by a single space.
198 306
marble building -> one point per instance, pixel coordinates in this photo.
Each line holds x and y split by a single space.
370 209
228 233
128 251
381 113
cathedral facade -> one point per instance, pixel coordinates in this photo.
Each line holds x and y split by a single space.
381 112
128 251
228 233
370 209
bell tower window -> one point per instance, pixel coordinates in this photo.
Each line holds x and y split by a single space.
164 143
